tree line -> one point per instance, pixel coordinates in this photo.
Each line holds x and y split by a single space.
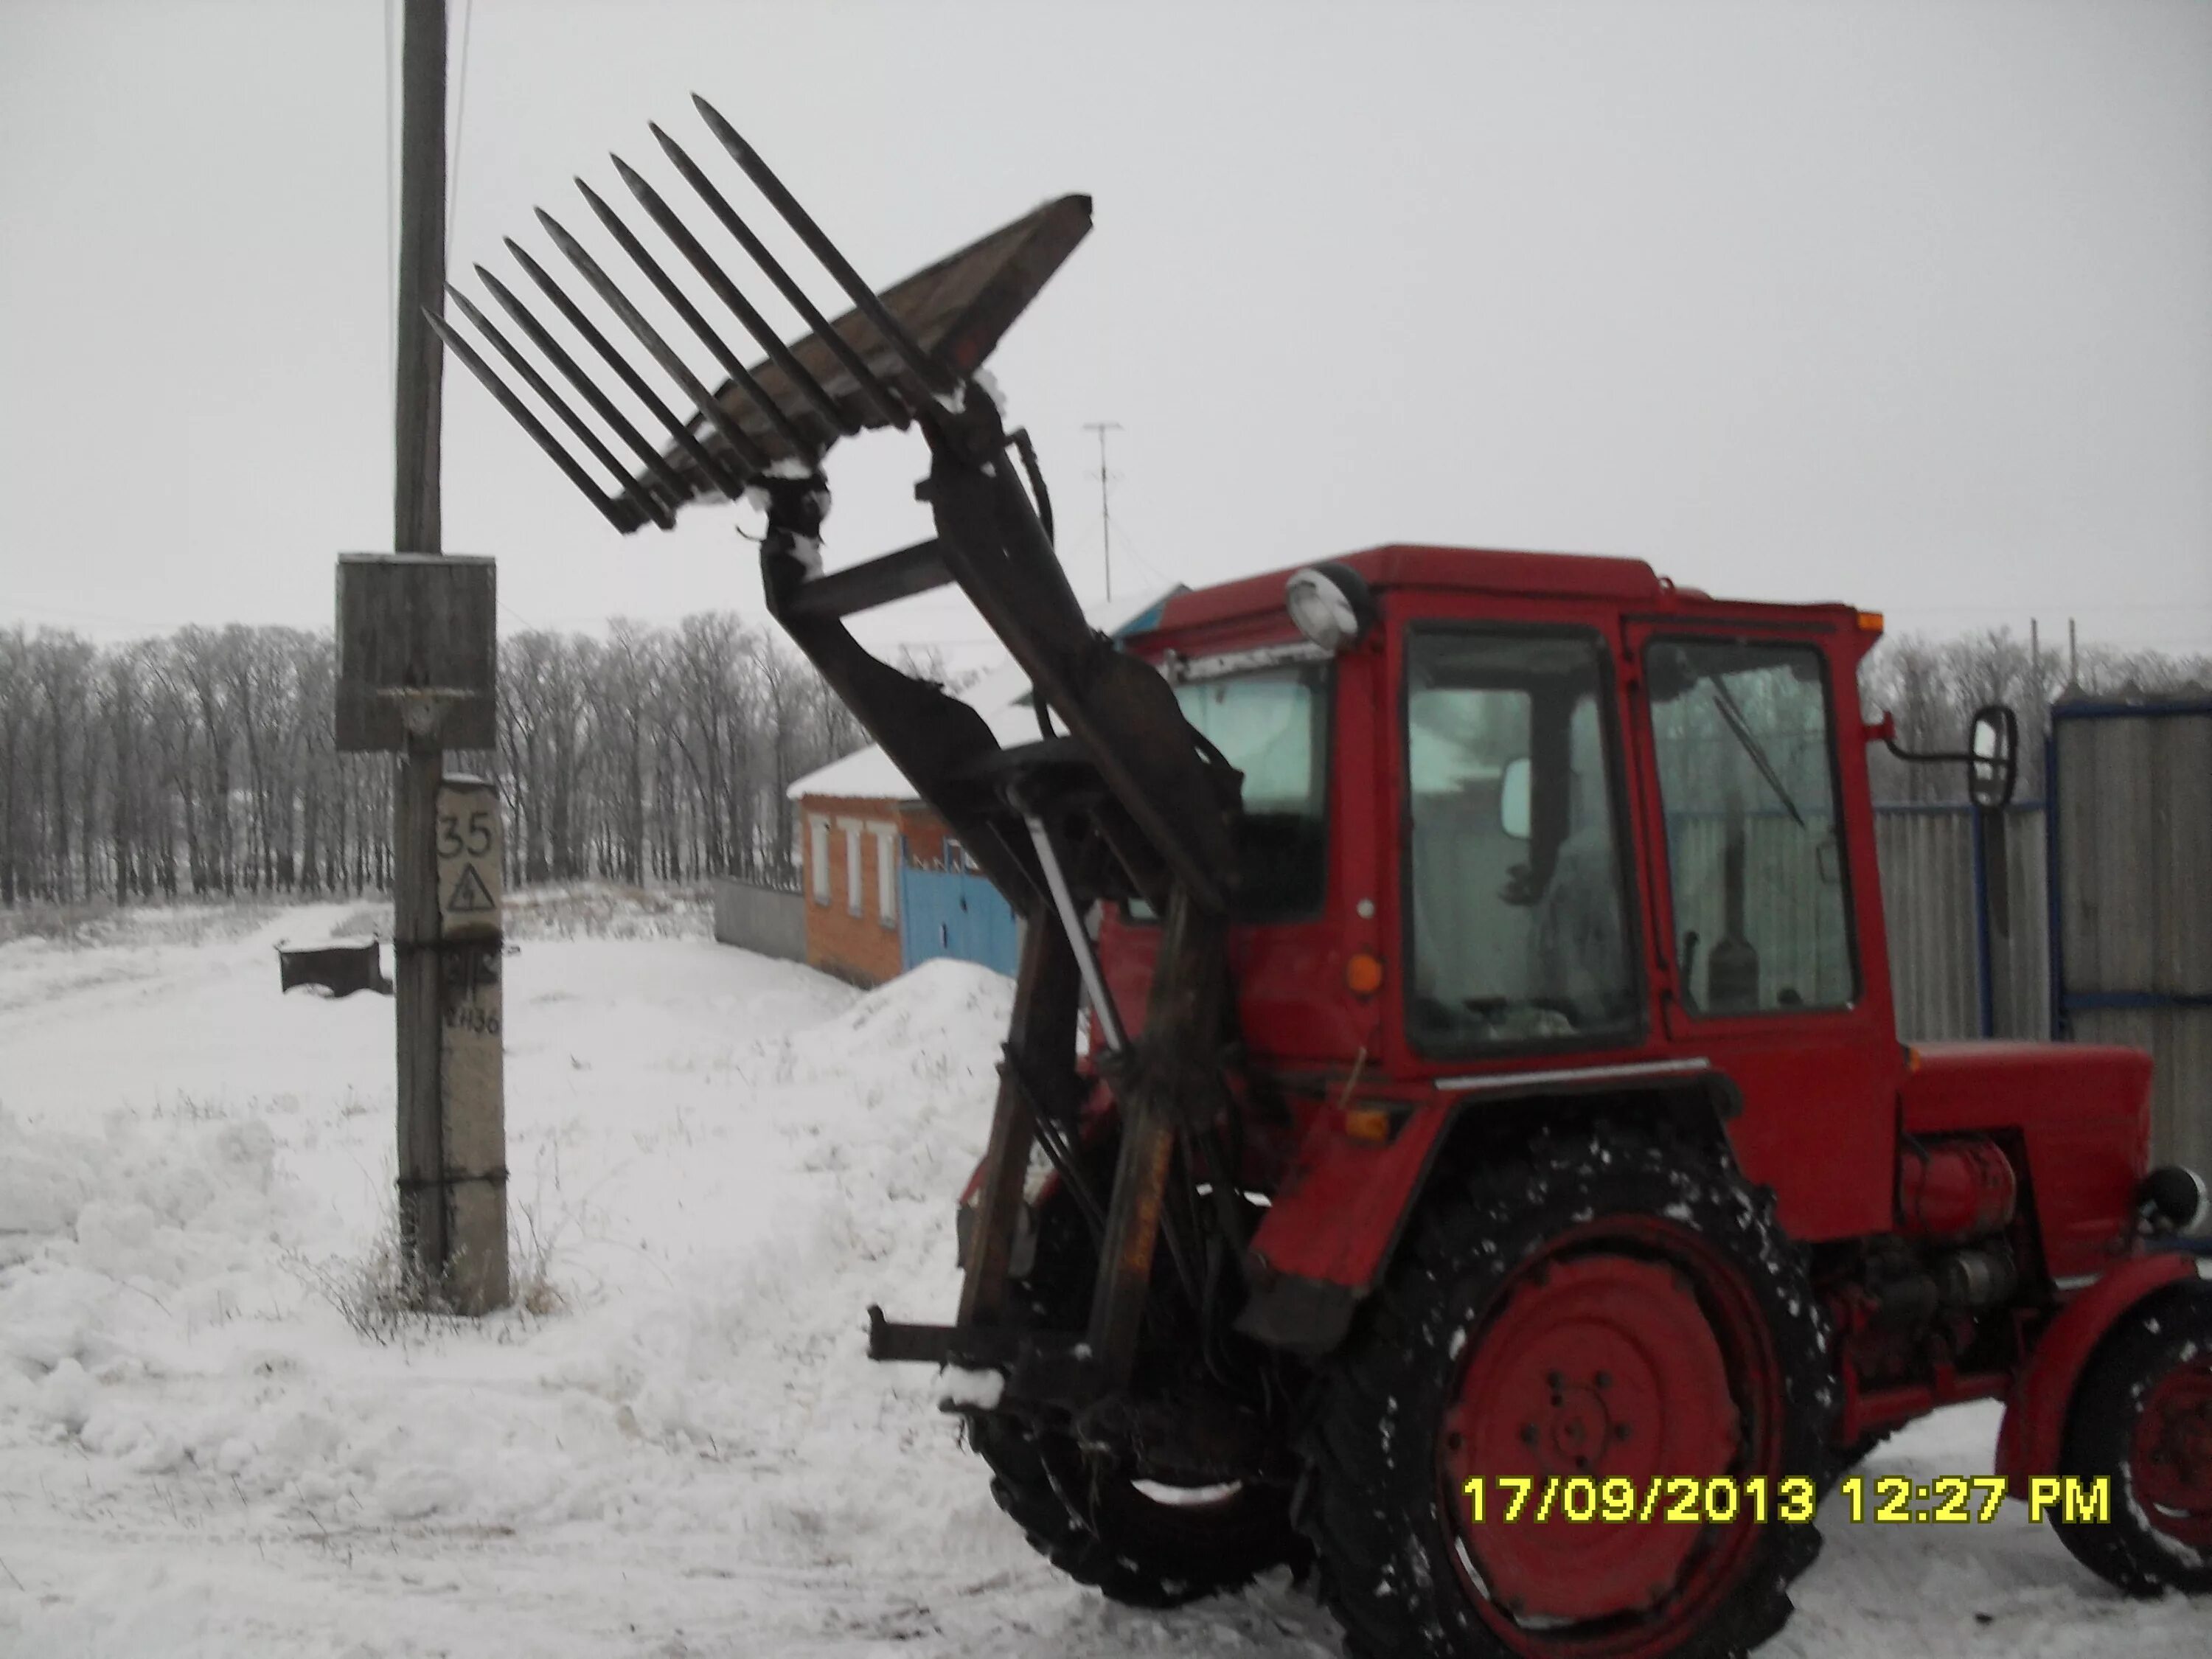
201 763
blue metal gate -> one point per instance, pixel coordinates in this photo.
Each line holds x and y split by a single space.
954 913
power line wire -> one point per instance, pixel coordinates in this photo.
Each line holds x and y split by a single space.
460 121
390 223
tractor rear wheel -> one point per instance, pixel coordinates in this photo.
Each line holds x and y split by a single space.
1569 1327
2141 1423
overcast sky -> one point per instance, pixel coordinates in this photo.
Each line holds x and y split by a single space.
1904 304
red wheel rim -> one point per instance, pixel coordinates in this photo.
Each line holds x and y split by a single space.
1630 1349
2169 1456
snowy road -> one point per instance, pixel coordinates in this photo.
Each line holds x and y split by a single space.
729 1159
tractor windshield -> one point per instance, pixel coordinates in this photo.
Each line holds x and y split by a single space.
1516 894
1269 726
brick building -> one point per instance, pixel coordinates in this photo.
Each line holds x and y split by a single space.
852 859
864 835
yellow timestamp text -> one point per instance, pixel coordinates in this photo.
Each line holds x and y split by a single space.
1723 1500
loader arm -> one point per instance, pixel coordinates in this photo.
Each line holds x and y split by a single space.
1122 801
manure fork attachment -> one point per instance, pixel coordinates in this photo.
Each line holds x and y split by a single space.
1121 802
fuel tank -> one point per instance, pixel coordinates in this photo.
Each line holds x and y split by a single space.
1959 1188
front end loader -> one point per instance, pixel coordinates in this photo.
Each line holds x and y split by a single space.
1117 801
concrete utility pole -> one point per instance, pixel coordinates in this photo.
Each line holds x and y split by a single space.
1105 517
453 1200
415 528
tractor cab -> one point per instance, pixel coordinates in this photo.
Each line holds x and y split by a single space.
1526 816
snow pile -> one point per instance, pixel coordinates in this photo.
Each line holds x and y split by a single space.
760 1360
173 1220
718 1161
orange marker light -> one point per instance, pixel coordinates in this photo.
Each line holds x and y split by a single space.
1870 621
1363 975
1366 1123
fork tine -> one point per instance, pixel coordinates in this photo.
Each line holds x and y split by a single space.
621 513
727 479
749 455
600 403
871 387
934 377
681 304
654 508
726 291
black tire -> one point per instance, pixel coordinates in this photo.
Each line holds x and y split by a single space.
1086 1513
2164 1344
1095 1524
1394 1564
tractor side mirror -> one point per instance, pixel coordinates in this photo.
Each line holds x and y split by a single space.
1513 800
1992 756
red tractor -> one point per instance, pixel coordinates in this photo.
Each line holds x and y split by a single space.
1452 1135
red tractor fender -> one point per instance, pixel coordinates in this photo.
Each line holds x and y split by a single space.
2035 1411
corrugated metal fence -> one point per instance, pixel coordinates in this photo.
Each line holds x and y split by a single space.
1930 874
2132 788
762 919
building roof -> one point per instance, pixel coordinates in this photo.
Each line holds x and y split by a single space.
1001 696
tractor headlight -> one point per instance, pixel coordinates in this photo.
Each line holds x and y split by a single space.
2176 1199
1329 604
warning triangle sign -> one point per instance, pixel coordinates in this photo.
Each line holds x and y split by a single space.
470 896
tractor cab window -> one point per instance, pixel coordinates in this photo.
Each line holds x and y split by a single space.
1516 888
1272 728
1746 752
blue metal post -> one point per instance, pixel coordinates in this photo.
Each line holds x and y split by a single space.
1979 828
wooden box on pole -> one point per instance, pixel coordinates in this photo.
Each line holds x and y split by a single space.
418 651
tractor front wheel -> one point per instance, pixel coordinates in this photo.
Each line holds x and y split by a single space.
1101 1520
2138 1450
1585 1420
1139 1542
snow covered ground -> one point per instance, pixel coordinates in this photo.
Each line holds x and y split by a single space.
718 1160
